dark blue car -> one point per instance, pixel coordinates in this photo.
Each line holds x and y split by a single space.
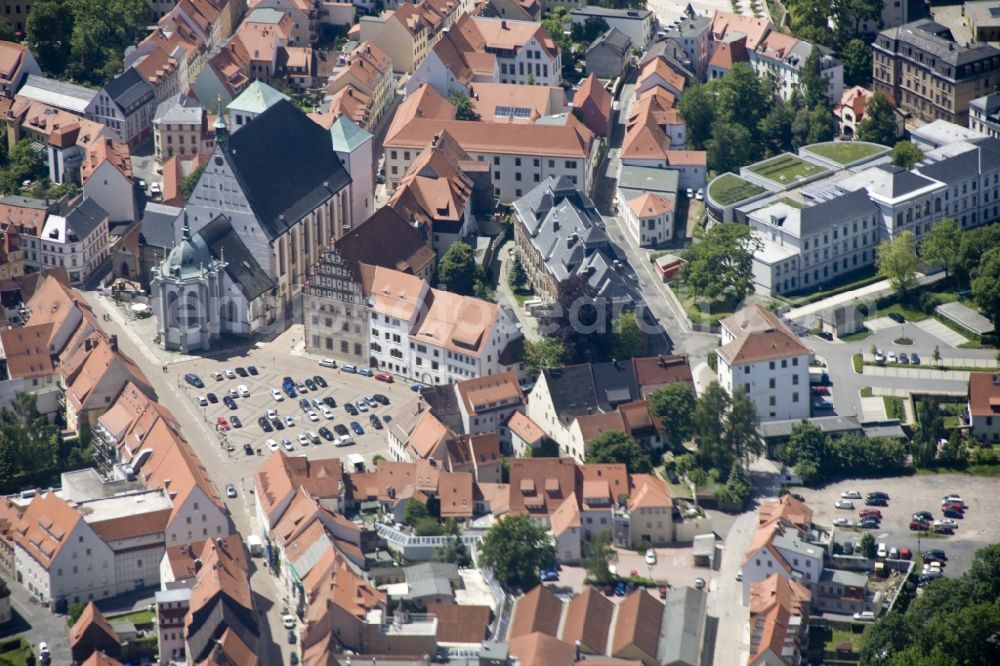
356 427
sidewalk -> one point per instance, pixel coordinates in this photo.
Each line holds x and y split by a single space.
529 325
869 293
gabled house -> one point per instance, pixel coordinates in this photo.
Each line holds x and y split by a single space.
92 633
779 621
16 63
594 102
125 105
609 54
984 406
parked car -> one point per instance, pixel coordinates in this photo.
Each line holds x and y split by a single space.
303 439
375 421
313 416
919 525
946 521
212 398
870 513
230 490
235 420
229 402
864 616
287 444
851 494
264 424
546 575
620 589
822 405
847 548
905 554
243 391
952 513
365 372
700 194
278 425
291 637
954 505
650 557
277 395
229 374
348 368
241 371
944 529
417 388
896 317
882 551
892 358
350 409
320 382
953 499
699 583
844 504
272 445
384 377
934 555
340 429
311 385
252 369
361 405
914 359
903 358
356 427
304 404
842 522
877 501
194 380
247 449
894 553
326 434
328 363
221 422
288 621
878 493
879 356
290 392
819 389
868 524
381 399
923 516
217 376
329 402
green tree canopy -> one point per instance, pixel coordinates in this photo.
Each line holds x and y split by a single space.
516 549
776 128
879 124
897 261
822 125
674 405
814 85
615 446
743 99
598 553
102 30
720 262
857 58
542 355
730 147
48 30
906 154
463 106
848 15
628 340
190 181
454 549
986 285
741 428
942 245
868 547
697 107
458 270
580 320
709 423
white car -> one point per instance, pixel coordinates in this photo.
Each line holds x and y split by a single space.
700 194
313 416
844 504
864 616
883 550
361 405
650 557
288 621
842 522
851 494
201 400
946 522
272 414
313 437
217 376
301 388
289 421
272 445
243 390
328 363
155 190
690 193
277 395
948 499
230 374
326 412
287 444
892 358
303 440
879 356
344 440
233 394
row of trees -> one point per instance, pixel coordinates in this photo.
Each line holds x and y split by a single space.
954 621
816 457
31 451
970 257
85 39
738 119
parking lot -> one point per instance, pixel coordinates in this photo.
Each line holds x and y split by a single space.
909 495
342 387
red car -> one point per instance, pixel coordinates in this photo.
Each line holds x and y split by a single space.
954 506
870 513
821 390
918 526
384 377
221 422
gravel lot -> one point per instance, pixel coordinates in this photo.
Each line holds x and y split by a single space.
273 367
918 493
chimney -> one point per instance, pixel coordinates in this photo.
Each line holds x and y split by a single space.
197 565
503 25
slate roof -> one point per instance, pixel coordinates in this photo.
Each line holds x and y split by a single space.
614 39
225 244
128 88
157 225
83 219
178 108
285 165
934 38
572 389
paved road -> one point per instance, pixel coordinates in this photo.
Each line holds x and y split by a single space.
867 295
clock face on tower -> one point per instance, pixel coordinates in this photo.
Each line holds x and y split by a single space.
218 160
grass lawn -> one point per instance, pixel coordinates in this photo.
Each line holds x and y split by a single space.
791 203
894 407
972 470
972 344
859 363
854 337
15 652
730 188
910 313
136 617
786 169
522 297
845 152
827 639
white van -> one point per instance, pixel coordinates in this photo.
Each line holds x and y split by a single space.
344 440
328 363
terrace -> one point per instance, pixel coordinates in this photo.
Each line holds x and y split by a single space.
729 188
846 152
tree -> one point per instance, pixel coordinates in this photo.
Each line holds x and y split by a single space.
589 30
454 549
814 85
102 30
457 269
628 340
848 15
615 446
879 125
598 553
730 147
697 107
720 262
942 245
776 128
822 125
414 512
936 354
188 184
741 428
75 609
806 443
579 320
553 24
516 277
48 30
428 527
674 405
868 545
542 355
742 99
906 154
857 59
809 20
463 106
708 422
515 549
986 285
23 164
800 127
897 262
